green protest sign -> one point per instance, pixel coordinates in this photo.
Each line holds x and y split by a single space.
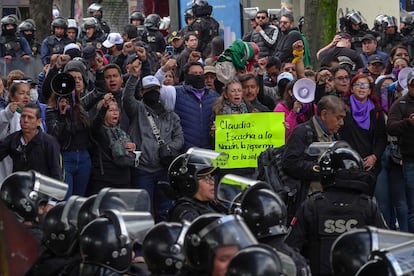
245 136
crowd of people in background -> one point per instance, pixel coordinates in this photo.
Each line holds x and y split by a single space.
111 112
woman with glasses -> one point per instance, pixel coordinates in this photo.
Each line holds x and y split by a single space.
341 78
364 123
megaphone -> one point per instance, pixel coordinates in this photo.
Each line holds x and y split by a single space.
352 250
251 12
63 84
402 77
304 90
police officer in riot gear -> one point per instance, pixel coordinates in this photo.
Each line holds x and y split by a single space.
27 29
61 238
205 26
12 46
162 248
209 236
95 10
344 204
107 243
189 20
353 24
56 42
257 260
390 36
191 181
27 193
94 36
152 35
137 19
265 213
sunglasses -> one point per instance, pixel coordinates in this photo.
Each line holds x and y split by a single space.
261 17
206 178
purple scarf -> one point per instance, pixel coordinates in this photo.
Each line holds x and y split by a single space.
198 92
361 111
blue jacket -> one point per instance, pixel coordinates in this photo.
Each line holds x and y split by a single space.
195 115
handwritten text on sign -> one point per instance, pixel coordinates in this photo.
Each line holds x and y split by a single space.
245 136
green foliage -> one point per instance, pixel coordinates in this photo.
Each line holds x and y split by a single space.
327 13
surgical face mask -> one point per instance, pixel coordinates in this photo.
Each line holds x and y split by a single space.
33 95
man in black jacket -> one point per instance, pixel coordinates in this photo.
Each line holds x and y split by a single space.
31 148
322 127
289 35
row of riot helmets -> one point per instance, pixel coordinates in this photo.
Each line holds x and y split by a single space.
117 223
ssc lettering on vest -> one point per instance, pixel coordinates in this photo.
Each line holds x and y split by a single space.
339 226
151 39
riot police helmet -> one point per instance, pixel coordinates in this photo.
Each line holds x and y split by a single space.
91 22
209 232
9 20
378 22
352 249
93 9
27 25
152 22
137 15
184 170
263 211
188 13
72 24
59 22
257 260
201 8
355 18
108 241
338 158
60 226
389 21
23 192
162 247
407 19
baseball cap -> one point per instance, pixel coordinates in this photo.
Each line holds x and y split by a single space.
345 60
150 81
112 39
209 69
285 75
375 59
368 37
89 53
174 35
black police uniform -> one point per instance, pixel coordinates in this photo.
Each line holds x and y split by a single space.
190 208
206 27
155 40
12 45
326 215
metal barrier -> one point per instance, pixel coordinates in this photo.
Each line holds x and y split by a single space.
30 68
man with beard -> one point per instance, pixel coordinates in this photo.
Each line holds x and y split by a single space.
193 102
290 34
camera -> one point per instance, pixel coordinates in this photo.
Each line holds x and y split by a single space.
169 50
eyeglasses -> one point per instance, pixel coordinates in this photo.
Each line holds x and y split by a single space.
362 85
206 178
261 17
342 78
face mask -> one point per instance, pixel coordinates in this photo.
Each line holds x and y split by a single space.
396 71
151 97
9 32
196 81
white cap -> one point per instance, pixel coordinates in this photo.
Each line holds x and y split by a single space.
285 75
149 81
71 46
112 39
